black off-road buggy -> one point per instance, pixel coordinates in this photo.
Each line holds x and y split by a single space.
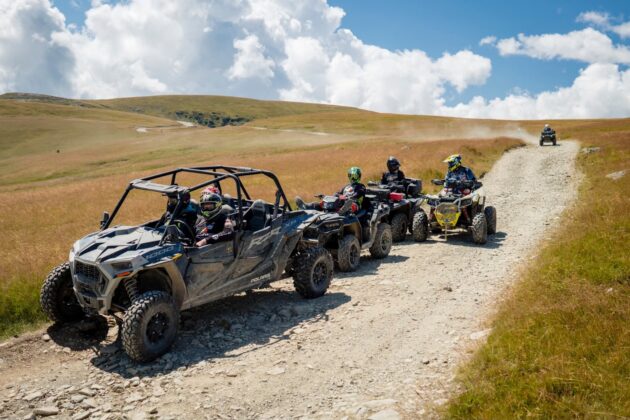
366 228
151 272
404 200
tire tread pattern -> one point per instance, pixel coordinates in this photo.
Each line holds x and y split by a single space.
303 265
132 337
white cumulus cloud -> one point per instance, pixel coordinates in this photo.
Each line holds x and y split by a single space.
604 21
587 45
601 90
287 49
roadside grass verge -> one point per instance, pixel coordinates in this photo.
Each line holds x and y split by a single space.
560 343
39 223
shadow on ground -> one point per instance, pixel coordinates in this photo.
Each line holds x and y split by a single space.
458 239
223 329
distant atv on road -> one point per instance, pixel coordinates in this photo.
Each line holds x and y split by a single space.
404 200
548 136
151 272
460 206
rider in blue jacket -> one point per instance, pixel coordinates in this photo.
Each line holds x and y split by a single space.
456 171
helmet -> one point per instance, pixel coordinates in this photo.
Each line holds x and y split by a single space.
546 126
454 162
392 164
173 198
210 204
354 174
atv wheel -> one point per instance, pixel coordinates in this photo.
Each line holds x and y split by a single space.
491 219
382 242
57 297
554 142
420 226
349 253
150 326
399 227
541 142
313 270
479 229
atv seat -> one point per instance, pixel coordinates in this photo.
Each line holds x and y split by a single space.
256 216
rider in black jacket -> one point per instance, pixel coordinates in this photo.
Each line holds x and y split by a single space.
214 224
394 174
354 190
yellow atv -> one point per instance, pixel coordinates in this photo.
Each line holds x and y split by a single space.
460 206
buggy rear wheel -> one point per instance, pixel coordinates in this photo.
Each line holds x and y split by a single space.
313 271
150 326
382 242
349 253
57 297
399 227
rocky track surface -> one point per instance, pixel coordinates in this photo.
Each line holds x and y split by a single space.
383 343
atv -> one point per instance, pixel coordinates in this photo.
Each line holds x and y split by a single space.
461 206
362 229
404 200
152 271
547 136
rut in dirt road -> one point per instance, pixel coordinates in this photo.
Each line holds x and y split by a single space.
385 339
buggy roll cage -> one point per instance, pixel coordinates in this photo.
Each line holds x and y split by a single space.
218 172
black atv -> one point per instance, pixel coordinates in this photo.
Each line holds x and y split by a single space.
404 200
460 206
362 229
151 272
547 136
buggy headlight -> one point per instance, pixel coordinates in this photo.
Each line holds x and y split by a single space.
122 269
122 266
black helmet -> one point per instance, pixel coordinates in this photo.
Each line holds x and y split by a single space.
393 164
173 198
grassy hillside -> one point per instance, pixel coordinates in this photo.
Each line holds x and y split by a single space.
561 341
48 199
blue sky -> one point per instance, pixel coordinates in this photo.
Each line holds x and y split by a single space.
438 26
541 59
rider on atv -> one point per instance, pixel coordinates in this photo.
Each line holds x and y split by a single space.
548 130
457 172
354 190
393 174
214 224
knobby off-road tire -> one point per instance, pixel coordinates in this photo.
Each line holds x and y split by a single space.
382 242
554 142
541 142
313 271
349 253
491 219
399 227
420 225
479 229
57 297
150 326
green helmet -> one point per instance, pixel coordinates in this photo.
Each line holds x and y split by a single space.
210 204
354 174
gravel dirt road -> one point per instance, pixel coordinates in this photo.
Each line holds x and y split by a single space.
384 343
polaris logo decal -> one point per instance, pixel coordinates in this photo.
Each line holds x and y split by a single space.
261 278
